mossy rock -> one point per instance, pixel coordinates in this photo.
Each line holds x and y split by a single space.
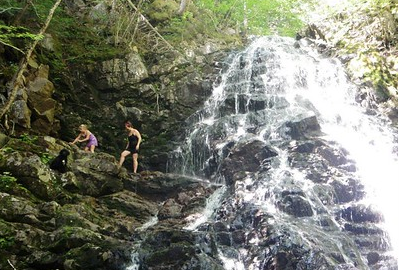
99 257
3 139
162 10
131 204
68 238
87 214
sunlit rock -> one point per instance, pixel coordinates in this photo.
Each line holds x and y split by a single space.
21 113
118 72
130 204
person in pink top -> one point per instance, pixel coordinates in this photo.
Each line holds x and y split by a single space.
86 136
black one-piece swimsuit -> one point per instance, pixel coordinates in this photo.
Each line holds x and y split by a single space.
133 140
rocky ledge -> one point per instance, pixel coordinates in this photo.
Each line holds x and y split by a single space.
89 217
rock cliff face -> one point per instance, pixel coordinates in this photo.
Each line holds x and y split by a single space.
90 216
156 90
157 98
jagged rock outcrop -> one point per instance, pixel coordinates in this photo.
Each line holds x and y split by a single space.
119 72
35 108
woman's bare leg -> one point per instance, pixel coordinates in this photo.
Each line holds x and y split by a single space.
135 162
123 156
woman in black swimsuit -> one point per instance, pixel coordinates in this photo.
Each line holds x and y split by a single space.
132 147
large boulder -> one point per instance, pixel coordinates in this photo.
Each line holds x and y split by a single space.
34 107
119 72
247 157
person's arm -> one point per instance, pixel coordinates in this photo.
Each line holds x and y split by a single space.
76 140
127 139
127 144
87 137
139 139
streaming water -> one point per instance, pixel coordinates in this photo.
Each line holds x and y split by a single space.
212 203
270 83
135 256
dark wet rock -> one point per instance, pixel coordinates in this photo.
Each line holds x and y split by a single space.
348 190
296 205
373 258
363 229
335 157
247 157
130 204
360 214
302 127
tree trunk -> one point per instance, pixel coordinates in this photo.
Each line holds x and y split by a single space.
17 80
183 6
22 12
149 24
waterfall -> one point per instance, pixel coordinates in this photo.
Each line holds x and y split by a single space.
212 203
325 165
135 256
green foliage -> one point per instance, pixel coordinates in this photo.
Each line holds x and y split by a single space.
6 238
275 17
161 10
371 35
29 139
8 70
45 157
78 42
7 149
372 66
7 33
6 242
192 26
7 181
75 41
255 17
16 37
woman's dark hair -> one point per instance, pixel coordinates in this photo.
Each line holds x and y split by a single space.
128 123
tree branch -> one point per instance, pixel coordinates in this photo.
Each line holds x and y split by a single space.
12 46
16 83
11 265
149 24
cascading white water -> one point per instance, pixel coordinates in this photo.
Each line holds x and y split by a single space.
212 203
371 142
135 260
298 81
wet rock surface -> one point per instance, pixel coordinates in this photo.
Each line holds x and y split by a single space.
90 216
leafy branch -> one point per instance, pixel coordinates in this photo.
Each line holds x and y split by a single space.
8 33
